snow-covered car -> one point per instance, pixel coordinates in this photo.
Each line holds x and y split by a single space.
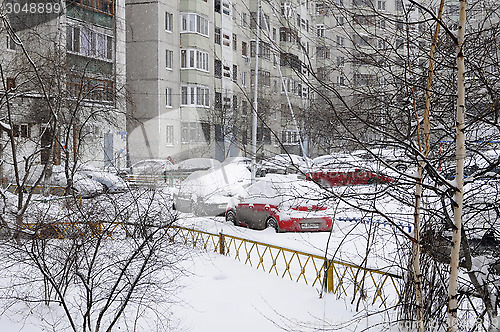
82 184
151 167
209 192
284 203
112 183
195 164
283 164
247 162
344 169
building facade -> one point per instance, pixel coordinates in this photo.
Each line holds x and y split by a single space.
63 97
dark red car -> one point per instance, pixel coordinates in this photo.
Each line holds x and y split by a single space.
348 177
284 203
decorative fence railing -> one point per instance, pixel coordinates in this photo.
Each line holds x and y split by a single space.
343 279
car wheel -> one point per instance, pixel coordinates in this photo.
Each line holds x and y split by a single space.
272 222
231 217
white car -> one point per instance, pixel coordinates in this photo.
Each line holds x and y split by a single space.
209 192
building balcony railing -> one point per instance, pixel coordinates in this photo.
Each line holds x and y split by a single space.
101 6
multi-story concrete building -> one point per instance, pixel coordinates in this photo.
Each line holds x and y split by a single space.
64 69
191 79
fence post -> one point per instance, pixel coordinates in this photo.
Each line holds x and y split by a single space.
222 249
328 276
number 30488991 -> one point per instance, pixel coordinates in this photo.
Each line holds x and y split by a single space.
34 8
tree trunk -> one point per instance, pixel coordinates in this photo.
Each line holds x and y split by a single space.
460 155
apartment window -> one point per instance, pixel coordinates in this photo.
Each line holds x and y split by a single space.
73 38
322 52
244 48
218 101
195 95
339 3
244 20
381 5
235 103
340 41
226 41
264 135
103 6
168 97
226 8
88 42
244 79
169 131
217 36
381 24
169 21
195 132
289 137
194 23
218 68
235 73
11 83
340 21
320 30
217 6
21 130
169 55
341 80
274 34
235 42
11 45
244 107
340 61
194 59
321 8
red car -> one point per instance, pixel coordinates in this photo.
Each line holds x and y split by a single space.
348 177
283 203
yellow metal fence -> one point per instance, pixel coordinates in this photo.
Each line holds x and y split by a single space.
346 280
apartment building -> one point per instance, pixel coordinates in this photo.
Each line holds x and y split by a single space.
191 76
64 70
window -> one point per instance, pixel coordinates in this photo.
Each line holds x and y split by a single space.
341 80
289 137
381 24
217 36
195 95
195 132
218 101
244 79
320 30
274 34
73 39
11 45
21 130
244 107
264 135
90 88
194 23
88 42
340 21
218 68
103 6
340 61
168 59
381 5
194 59
226 8
264 49
168 97
226 41
244 20
169 131
169 21
235 103
321 8
235 73
11 83
244 48
340 41
235 42
322 52
217 6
